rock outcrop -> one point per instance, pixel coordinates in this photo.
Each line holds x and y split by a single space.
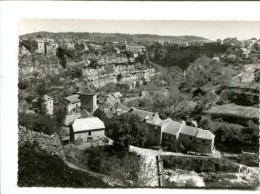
130 73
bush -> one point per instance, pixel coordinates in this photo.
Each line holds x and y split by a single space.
39 123
35 169
199 164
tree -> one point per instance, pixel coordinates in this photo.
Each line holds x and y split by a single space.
174 99
41 106
38 122
119 77
126 130
61 52
41 89
60 115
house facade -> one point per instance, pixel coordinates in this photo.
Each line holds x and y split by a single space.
153 123
170 134
88 99
71 104
136 49
84 130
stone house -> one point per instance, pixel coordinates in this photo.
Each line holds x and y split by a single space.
40 45
187 137
69 44
170 134
136 49
48 102
204 141
154 124
88 98
107 111
84 130
71 104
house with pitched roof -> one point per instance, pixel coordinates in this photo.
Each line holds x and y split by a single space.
83 130
88 98
204 141
153 122
107 111
170 134
71 104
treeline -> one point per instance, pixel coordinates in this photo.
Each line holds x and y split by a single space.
175 55
107 37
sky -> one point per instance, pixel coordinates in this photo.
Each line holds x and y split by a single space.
211 30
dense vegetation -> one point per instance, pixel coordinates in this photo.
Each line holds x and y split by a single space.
35 169
199 164
126 130
120 165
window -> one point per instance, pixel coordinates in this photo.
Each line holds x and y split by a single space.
203 141
155 135
169 136
155 127
89 133
190 138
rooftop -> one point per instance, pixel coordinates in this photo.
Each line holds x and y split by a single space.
87 124
45 97
171 127
150 117
205 134
71 99
187 130
85 91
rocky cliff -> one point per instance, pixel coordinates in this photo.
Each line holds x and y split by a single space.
39 65
130 73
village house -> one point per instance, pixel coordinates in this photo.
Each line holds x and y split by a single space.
69 44
71 104
107 111
48 102
113 98
84 130
154 123
45 45
50 48
170 134
88 98
136 49
40 45
204 141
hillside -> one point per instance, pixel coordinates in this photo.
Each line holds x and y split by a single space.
96 37
42 163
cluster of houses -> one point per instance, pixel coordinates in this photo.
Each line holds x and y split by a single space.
86 122
172 135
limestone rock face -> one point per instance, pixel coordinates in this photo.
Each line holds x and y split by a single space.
130 73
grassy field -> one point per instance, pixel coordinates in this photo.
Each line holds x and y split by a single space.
235 111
